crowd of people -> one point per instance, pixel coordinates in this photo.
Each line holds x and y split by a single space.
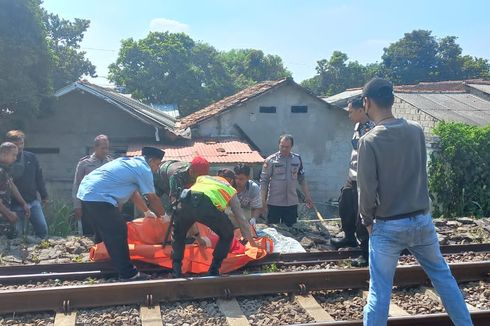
384 206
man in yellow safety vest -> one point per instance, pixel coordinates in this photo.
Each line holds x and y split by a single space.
205 202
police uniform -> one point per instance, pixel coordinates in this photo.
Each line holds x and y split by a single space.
205 202
348 205
280 178
86 165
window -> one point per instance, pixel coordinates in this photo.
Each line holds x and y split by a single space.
299 109
267 109
43 150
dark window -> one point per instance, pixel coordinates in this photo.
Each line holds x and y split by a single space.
43 150
299 109
267 109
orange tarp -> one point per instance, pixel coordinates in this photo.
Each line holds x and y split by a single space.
146 235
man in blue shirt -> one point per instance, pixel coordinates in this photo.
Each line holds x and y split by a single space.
107 188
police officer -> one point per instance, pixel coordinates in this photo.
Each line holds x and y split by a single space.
348 205
282 172
205 202
87 164
107 188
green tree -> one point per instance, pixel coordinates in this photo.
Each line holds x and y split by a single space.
249 66
64 38
338 73
171 68
25 59
412 59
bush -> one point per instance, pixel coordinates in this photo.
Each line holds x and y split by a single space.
459 170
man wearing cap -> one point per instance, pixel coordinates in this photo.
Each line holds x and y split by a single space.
87 164
394 205
102 193
205 202
348 201
282 172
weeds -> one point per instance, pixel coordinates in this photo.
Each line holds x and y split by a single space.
60 220
271 268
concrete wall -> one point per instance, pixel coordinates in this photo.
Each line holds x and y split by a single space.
76 119
322 135
403 109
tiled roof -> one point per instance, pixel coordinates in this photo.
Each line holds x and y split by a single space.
215 151
133 107
230 101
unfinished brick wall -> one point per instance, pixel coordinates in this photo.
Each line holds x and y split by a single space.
402 109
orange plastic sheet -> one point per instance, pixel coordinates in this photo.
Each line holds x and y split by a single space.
145 237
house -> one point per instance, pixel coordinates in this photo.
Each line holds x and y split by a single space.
261 113
428 103
81 112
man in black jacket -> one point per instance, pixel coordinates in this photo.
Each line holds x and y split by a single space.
28 178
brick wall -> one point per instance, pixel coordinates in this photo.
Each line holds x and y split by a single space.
402 109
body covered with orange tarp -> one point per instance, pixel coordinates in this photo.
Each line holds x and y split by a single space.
145 238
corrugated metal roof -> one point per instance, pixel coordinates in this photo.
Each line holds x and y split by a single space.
215 151
461 107
342 97
134 107
481 87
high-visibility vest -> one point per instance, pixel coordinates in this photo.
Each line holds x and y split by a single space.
216 188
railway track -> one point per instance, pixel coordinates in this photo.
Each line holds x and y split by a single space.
78 271
149 294
146 297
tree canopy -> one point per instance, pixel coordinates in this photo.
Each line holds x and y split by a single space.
417 56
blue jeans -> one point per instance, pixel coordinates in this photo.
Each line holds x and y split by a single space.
418 234
37 219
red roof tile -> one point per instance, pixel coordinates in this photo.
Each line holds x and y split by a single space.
215 151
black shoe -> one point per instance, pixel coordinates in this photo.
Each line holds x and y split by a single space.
344 242
214 268
360 261
140 276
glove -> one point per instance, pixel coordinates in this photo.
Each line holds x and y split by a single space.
149 213
253 222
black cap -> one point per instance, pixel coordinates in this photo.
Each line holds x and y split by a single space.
152 152
378 88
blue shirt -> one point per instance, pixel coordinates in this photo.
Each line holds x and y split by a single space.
116 181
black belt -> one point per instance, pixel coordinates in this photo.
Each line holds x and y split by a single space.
400 216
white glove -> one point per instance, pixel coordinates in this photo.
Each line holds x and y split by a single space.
149 213
166 218
253 221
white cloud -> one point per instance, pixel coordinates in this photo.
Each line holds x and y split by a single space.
168 25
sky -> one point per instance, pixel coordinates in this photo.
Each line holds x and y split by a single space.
301 32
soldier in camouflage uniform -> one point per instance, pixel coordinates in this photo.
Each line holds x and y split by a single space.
8 155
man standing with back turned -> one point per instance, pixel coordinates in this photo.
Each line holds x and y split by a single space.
394 206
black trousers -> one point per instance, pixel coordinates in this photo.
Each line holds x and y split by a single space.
111 226
282 214
88 229
197 207
349 215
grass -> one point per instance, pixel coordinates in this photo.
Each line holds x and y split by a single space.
59 217
271 268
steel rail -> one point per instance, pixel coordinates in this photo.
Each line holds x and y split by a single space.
154 291
480 318
105 268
